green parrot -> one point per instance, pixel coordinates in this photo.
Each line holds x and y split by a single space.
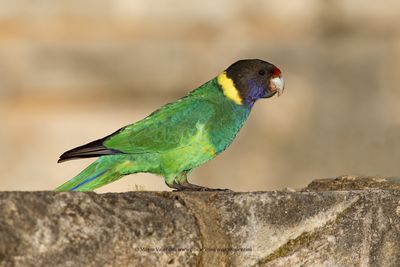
182 135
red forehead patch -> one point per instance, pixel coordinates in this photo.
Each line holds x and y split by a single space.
276 72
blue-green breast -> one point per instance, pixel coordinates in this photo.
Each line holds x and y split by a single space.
228 119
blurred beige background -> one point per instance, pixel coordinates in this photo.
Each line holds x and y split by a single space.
74 71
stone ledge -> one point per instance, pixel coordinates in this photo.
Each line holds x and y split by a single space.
318 226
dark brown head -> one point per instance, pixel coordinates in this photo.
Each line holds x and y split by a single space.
246 81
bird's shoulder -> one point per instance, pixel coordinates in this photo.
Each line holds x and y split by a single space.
168 127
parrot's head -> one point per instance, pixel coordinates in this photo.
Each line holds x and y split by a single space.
248 80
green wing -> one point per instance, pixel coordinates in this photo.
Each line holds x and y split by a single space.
171 126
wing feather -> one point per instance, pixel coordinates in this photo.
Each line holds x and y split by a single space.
169 127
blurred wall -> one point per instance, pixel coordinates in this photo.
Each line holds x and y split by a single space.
75 71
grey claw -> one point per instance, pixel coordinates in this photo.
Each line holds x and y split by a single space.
186 186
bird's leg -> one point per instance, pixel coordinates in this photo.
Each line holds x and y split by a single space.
181 183
192 187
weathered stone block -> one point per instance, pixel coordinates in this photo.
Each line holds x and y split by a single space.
319 226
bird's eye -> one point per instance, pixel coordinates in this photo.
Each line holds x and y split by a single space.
261 72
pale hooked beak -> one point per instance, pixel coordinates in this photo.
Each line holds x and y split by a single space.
278 84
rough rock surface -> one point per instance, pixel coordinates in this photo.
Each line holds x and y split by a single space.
347 221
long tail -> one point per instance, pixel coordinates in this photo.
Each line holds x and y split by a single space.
104 170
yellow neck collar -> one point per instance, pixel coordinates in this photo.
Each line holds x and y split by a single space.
229 89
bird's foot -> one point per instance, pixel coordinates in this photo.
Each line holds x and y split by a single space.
193 187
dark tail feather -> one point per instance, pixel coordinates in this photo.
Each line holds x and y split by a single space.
90 150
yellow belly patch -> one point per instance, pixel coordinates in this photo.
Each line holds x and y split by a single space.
228 88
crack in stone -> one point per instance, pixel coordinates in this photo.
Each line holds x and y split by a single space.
211 233
306 237
176 197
